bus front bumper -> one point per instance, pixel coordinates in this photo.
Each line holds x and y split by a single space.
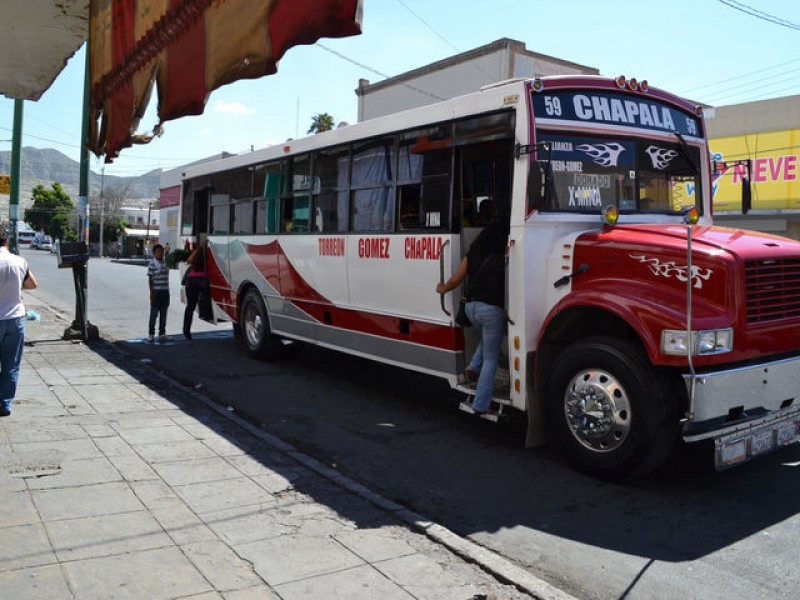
748 411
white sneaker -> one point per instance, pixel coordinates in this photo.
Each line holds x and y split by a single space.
164 338
150 338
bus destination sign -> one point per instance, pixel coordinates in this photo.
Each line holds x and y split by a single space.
614 109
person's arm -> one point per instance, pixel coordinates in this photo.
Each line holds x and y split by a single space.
29 283
455 280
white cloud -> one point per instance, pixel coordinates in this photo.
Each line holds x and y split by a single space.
235 108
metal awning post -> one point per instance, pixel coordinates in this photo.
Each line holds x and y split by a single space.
81 328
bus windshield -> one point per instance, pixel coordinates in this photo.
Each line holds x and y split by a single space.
636 175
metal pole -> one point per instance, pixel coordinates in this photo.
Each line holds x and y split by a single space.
83 192
147 235
690 345
81 328
102 208
16 159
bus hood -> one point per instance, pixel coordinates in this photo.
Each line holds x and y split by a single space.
706 241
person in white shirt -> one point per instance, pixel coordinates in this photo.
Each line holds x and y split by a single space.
14 277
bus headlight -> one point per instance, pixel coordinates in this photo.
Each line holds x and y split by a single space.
709 341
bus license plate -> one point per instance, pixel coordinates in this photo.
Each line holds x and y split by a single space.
732 453
762 442
787 432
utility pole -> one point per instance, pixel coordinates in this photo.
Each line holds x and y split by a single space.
16 159
147 235
80 327
102 207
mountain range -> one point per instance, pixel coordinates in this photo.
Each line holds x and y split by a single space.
47 166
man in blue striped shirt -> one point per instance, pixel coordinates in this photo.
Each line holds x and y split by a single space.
158 276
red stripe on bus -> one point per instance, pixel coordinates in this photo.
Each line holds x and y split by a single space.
272 262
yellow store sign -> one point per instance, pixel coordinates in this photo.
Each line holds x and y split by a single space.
775 165
5 184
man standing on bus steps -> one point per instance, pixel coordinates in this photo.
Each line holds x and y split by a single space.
485 265
14 277
158 278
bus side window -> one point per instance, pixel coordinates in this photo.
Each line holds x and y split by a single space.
436 186
331 181
373 176
409 188
267 190
408 207
296 193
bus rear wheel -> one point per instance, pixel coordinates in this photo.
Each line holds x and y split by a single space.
254 329
612 412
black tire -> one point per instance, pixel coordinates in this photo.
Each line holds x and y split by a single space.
254 330
614 415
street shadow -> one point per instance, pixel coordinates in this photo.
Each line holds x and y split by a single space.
400 434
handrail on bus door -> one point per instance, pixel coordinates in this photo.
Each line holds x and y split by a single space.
441 275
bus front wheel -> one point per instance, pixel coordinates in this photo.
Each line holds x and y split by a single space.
254 329
612 412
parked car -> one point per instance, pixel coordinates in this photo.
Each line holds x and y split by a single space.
42 242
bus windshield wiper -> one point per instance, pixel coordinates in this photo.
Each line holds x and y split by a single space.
684 150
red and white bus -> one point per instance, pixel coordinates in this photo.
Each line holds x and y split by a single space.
632 320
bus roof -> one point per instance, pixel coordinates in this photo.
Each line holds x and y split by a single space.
494 97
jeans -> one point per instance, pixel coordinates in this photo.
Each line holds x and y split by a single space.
158 308
12 342
490 320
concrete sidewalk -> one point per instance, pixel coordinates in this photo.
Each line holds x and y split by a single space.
116 482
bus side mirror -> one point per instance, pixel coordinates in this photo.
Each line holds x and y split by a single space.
540 185
747 195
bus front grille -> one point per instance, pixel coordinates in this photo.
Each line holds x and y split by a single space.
773 289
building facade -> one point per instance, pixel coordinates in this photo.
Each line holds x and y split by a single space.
458 75
767 133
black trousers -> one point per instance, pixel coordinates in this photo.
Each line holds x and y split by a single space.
194 287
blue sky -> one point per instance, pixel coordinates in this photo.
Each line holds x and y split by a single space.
709 50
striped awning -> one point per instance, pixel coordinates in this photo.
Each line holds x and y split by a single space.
188 48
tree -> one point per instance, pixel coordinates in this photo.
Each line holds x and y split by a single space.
49 212
108 207
321 122
113 227
114 197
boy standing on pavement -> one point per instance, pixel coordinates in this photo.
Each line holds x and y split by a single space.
14 277
158 276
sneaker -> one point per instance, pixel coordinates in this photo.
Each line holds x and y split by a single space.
4 412
150 338
164 338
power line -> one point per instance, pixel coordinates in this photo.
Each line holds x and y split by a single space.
749 89
475 65
424 22
742 76
759 14
371 70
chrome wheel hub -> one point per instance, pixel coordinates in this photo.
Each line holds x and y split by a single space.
252 326
597 410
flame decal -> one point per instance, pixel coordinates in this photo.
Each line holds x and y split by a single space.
606 155
661 157
670 269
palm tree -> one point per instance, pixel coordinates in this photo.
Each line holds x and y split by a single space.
321 122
